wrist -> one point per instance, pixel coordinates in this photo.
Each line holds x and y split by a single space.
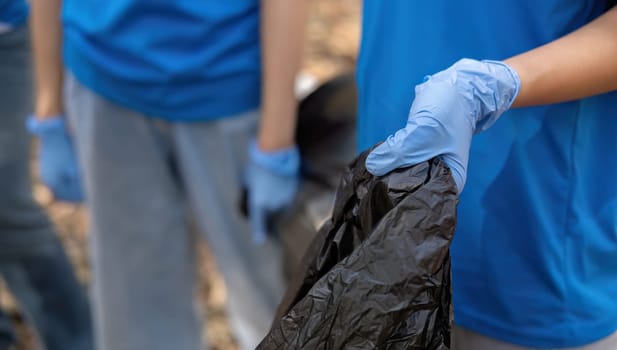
509 76
48 106
271 146
277 127
47 113
489 87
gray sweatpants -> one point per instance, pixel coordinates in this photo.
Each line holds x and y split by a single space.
464 339
143 176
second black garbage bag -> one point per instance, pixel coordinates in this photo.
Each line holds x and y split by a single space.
377 275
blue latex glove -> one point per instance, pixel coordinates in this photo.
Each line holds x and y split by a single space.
450 107
57 160
272 185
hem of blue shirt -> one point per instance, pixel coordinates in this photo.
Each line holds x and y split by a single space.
18 20
232 101
585 334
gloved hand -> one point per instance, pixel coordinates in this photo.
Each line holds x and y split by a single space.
450 107
272 185
57 160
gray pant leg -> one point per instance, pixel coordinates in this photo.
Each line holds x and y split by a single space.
141 250
212 156
44 285
464 339
21 219
32 261
7 336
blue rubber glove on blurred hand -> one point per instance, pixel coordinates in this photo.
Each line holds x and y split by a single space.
449 108
57 160
272 185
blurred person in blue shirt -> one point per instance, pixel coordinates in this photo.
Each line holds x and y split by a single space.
32 261
173 105
534 257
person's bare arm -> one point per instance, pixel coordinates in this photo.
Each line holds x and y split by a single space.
282 39
581 64
47 45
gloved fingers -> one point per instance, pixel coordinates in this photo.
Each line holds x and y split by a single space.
67 189
59 168
288 190
62 179
73 192
411 145
257 219
68 195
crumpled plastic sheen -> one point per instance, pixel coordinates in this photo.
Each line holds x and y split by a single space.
377 275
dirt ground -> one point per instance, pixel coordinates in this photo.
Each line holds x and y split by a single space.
331 46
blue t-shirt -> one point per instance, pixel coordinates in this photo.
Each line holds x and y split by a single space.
535 252
180 60
13 13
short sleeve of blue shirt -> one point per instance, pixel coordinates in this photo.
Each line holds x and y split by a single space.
13 13
534 257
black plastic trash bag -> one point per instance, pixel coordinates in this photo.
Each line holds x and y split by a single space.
377 275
